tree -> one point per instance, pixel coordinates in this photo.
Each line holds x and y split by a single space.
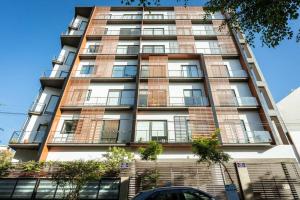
269 18
151 152
75 175
5 161
114 158
208 150
150 176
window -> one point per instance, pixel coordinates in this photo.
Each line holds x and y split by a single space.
143 98
245 131
82 26
182 131
70 58
227 97
152 130
132 16
109 189
127 49
124 71
120 97
130 31
153 49
195 195
69 126
193 97
63 74
40 133
88 95
189 71
94 48
214 47
153 31
52 104
145 71
166 195
110 131
87 69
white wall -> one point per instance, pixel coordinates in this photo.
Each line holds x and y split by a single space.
241 89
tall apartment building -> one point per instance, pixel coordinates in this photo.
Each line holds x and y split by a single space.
129 75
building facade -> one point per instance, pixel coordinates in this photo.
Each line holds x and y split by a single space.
129 75
290 112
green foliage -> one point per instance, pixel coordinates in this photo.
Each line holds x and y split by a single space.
151 152
208 149
74 175
268 18
5 162
149 179
32 166
113 160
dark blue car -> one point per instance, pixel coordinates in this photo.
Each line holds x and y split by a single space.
173 193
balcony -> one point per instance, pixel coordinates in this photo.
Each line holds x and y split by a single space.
251 137
155 71
187 32
59 60
224 73
33 139
74 25
162 136
230 101
37 108
120 17
114 103
89 138
188 50
53 78
124 50
173 102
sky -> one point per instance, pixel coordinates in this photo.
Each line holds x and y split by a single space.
30 38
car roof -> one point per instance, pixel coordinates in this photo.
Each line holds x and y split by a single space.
150 191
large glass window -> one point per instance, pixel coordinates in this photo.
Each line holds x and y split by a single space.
52 104
182 130
94 48
120 97
70 58
143 98
82 26
24 189
46 189
192 97
69 126
151 130
40 133
153 31
127 49
87 69
189 71
109 189
130 31
110 131
154 16
124 71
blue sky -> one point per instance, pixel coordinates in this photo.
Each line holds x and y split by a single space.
30 33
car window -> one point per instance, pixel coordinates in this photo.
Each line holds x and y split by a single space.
165 195
195 195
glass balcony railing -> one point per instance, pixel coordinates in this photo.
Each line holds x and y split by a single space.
101 101
55 74
163 136
133 50
146 73
192 50
62 137
27 137
58 60
173 101
37 108
72 32
224 73
225 100
246 101
192 16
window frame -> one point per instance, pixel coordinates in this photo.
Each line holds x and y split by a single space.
189 75
67 58
153 48
120 96
49 112
103 129
166 136
89 69
63 130
124 67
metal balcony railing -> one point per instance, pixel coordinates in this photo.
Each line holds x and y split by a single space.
37 108
250 137
102 101
193 16
173 101
55 74
120 50
163 136
27 137
230 74
158 50
88 137
225 100
145 73
58 60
